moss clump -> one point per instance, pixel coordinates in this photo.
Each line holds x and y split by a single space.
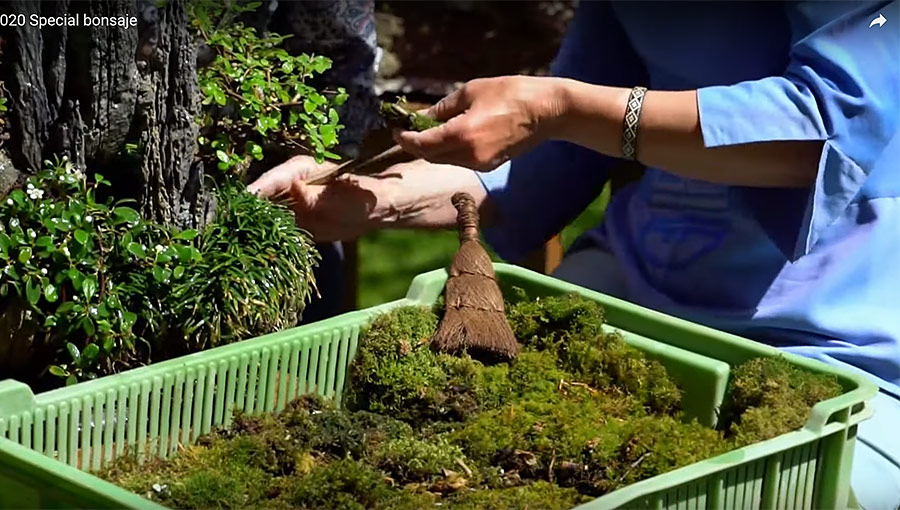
573 327
397 374
577 414
769 396
396 115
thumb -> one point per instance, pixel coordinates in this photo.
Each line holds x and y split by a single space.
450 106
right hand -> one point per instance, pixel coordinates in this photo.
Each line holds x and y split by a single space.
336 211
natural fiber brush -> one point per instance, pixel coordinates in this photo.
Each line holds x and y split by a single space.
475 317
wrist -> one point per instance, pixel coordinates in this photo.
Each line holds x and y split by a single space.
555 111
591 116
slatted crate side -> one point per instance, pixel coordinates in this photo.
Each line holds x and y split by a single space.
155 415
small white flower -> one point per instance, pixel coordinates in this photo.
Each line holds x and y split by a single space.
9 201
32 234
65 158
158 248
66 250
43 270
93 310
14 222
88 218
30 186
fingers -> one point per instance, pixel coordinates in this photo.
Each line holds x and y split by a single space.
276 182
431 143
450 106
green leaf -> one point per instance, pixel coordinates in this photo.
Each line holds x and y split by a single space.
108 344
186 235
321 64
81 236
58 371
87 324
309 106
89 287
328 135
254 149
161 274
223 157
341 98
137 250
185 253
5 242
71 380
128 320
66 307
73 351
50 293
24 255
77 278
125 215
91 351
44 242
32 291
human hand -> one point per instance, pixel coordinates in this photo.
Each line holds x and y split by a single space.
337 211
488 121
276 183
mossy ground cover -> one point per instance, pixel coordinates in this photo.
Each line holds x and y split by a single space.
577 414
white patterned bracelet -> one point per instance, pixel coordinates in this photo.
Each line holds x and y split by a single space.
632 121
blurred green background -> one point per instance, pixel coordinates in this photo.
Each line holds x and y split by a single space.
389 259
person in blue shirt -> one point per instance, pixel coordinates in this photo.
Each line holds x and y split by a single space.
770 207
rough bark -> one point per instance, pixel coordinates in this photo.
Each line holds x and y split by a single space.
87 91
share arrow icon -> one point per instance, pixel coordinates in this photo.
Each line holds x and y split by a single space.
878 21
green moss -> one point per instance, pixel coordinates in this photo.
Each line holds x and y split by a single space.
396 115
538 495
342 484
573 327
410 459
577 414
768 396
396 373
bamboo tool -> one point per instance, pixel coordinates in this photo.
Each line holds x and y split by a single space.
395 116
475 316
377 163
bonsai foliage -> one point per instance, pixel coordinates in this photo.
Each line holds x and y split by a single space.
65 253
99 289
255 93
567 420
255 276
88 287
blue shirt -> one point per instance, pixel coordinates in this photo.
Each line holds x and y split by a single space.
815 271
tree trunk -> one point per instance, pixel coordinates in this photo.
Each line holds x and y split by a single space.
87 92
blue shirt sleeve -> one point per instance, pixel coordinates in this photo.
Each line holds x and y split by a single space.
537 194
839 87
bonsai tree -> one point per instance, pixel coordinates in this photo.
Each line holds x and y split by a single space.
125 233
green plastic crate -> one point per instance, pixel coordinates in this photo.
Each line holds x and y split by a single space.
50 441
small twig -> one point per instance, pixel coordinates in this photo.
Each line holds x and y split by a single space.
550 470
464 467
633 465
563 384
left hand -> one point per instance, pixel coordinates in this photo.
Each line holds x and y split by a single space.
488 121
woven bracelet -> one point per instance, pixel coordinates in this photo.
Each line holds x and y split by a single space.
632 121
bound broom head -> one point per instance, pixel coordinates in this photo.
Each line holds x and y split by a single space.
475 317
